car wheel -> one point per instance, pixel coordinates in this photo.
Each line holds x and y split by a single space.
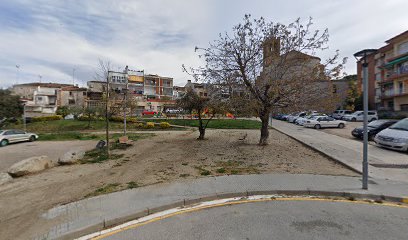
353 119
32 138
317 126
3 142
341 125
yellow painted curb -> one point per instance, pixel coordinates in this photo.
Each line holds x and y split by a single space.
405 200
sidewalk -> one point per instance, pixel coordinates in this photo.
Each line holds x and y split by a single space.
383 163
94 214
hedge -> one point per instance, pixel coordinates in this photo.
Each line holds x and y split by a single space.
46 118
165 125
150 125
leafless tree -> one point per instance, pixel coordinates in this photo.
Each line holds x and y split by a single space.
274 62
210 105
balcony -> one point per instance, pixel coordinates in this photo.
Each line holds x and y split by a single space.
390 93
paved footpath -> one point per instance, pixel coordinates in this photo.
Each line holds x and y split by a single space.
383 163
94 214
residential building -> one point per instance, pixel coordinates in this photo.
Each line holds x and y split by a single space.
157 87
178 92
44 98
388 75
199 88
72 96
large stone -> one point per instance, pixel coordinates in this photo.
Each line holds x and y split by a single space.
4 177
71 157
30 165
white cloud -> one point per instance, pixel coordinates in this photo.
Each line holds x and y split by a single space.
53 37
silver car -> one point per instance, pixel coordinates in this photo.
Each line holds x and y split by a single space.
14 135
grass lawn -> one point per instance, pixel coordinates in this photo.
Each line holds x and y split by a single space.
215 123
64 136
62 126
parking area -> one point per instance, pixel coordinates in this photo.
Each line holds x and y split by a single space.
384 163
344 132
13 153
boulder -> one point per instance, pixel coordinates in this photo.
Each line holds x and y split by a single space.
30 165
71 157
4 177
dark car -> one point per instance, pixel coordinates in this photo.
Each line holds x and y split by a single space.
374 127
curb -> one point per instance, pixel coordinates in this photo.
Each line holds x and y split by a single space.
322 153
186 202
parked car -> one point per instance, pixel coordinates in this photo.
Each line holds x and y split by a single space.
146 112
359 116
292 118
338 114
374 127
13 135
318 122
394 137
301 121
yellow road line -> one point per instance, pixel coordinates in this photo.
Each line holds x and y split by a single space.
246 201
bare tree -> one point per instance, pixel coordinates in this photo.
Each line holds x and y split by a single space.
274 62
211 105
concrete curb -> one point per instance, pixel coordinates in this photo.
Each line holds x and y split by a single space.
322 153
187 202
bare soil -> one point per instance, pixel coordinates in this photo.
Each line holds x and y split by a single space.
166 157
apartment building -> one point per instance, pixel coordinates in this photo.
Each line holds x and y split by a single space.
388 75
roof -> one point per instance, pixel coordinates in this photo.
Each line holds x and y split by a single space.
72 88
301 54
399 36
50 85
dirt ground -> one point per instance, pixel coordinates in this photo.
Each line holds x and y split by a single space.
165 157
343 132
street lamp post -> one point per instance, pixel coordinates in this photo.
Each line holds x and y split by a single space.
125 108
362 55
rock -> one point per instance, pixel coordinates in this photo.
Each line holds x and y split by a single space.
4 177
71 157
30 165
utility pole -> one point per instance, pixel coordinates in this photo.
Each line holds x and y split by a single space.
18 73
40 77
125 107
24 117
362 55
73 76
107 115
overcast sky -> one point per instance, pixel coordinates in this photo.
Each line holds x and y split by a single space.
51 38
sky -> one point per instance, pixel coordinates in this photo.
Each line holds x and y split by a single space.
62 40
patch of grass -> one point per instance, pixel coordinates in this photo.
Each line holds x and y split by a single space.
205 173
184 164
234 171
221 170
184 175
98 156
65 136
132 184
215 123
111 187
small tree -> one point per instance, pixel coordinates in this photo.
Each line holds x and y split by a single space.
192 102
63 111
10 105
274 62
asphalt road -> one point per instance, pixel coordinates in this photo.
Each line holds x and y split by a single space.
13 153
279 220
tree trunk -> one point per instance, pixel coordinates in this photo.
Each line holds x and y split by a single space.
264 129
201 128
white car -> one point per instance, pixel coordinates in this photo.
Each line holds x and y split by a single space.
292 118
301 121
359 116
394 137
338 114
324 122
13 135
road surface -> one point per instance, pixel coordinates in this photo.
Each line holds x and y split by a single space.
279 220
13 153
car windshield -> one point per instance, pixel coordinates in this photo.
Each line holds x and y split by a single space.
376 123
401 125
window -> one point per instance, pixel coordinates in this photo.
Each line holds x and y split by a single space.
70 93
19 132
403 48
404 107
39 98
334 88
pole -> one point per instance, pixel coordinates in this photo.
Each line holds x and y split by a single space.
125 108
365 145
73 76
24 118
107 115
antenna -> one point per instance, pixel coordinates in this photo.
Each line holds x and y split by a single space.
40 77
